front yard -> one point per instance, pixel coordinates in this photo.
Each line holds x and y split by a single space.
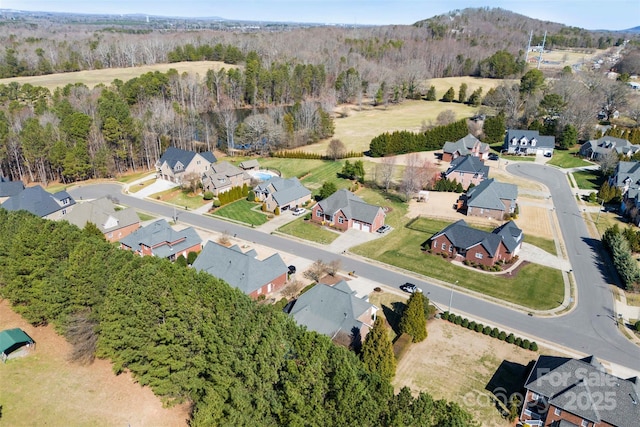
567 159
180 198
588 179
243 211
309 231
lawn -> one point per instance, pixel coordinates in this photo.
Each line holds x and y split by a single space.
567 159
180 198
545 244
313 172
518 158
309 231
144 216
588 179
140 186
534 286
130 177
243 211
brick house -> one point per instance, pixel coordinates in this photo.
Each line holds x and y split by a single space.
114 224
467 170
41 203
464 243
490 199
222 177
241 270
469 145
282 193
177 165
562 391
344 210
161 240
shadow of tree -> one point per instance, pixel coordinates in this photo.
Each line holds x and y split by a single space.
506 381
393 315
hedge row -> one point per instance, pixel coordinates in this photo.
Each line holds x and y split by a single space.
488 330
298 154
236 193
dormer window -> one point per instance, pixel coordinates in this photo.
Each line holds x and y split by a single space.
533 142
514 140
523 141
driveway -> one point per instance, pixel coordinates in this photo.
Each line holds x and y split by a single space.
156 187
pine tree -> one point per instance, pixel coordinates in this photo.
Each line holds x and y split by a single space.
413 321
449 96
431 94
377 351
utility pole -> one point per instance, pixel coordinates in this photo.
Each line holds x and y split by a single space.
542 49
451 297
526 55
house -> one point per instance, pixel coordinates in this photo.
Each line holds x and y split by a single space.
282 193
41 203
490 199
597 149
9 188
528 142
15 343
469 145
464 243
249 165
344 210
159 239
335 311
562 391
467 170
222 177
114 224
177 165
626 176
243 271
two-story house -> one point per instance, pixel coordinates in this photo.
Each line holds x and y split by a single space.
179 166
467 170
469 145
528 142
223 176
597 149
41 203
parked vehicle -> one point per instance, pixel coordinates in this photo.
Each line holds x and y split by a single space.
383 229
299 211
493 156
410 288
292 269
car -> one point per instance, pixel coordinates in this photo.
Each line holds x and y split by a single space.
383 229
493 156
548 154
292 269
410 288
299 211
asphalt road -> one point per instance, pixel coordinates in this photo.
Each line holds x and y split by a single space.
590 329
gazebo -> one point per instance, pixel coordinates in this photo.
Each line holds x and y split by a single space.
15 343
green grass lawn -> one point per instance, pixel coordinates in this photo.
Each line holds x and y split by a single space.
518 158
588 179
180 198
243 211
545 244
309 231
144 217
567 159
314 172
535 286
140 186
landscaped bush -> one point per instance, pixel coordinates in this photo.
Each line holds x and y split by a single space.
282 302
445 315
502 336
216 203
465 322
495 332
526 344
458 320
471 325
518 342
486 330
277 211
510 338
479 327
533 346
191 257
208 195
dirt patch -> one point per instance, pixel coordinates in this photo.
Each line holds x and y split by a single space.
48 390
332 280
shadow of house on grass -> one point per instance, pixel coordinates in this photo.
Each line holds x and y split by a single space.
508 380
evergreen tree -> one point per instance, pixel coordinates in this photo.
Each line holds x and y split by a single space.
568 138
494 128
462 93
413 321
377 351
449 96
431 94
327 189
476 97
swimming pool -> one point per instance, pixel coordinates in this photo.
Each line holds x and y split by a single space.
262 174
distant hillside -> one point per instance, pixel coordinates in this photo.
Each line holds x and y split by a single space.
633 30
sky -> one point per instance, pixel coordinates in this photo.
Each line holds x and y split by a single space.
589 14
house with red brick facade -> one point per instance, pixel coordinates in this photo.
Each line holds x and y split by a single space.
469 145
243 270
490 199
160 240
344 210
282 193
114 224
464 243
562 391
467 170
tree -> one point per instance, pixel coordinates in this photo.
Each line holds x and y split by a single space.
336 149
476 97
445 117
494 128
449 96
431 94
413 320
462 93
531 81
608 163
411 176
500 65
316 270
387 169
568 138
377 351
353 170
327 189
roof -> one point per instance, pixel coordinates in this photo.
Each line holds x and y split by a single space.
566 381
464 145
283 191
329 310
10 188
10 338
102 213
162 239
351 205
39 202
627 170
490 193
468 164
240 270
601 146
249 164
172 156
464 237
510 234
542 141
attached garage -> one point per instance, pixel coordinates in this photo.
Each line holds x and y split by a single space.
15 343
366 227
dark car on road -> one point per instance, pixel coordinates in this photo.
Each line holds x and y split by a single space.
493 156
292 269
410 288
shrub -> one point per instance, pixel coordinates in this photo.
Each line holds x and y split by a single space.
277 211
486 330
533 346
208 195
216 203
264 207
510 338
251 196
191 257
458 320
377 289
479 327
465 322
445 315
518 342
502 335
526 344
471 325
494 333
282 302
637 326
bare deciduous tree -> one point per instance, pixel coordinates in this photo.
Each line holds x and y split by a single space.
387 170
292 289
336 149
445 117
316 270
411 176
333 267
81 333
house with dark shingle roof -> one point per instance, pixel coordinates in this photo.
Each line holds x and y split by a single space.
41 203
562 391
177 165
223 176
469 145
282 193
344 210
9 188
114 224
161 240
490 199
335 311
464 243
625 176
597 149
528 142
243 271
467 170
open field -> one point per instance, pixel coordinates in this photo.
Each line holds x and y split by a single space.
92 78
46 389
557 58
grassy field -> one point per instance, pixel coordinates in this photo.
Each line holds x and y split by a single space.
545 244
588 179
243 211
92 78
534 286
308 231
567 159
180 198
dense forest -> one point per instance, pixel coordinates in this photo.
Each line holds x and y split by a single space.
191 337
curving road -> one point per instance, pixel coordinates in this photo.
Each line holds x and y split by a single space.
589 329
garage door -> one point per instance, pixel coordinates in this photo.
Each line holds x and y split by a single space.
356 225
366 228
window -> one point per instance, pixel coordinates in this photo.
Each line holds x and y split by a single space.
450 248
479 255
340 220
533 142
444 247
514 141
534 396
64 211
319 213
557 411
584 423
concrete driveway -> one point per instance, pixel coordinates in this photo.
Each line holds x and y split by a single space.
156 187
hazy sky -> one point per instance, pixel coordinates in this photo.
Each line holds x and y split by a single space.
590 14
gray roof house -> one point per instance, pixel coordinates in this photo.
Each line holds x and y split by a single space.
468 145
175 164
626 176
598 148
9 188
249 165
345 210
572 392
490 199
467 170
223 176
282 193
525 142
335 311
161 240
114 224
41 203
241 270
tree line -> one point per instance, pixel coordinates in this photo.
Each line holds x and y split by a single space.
191 337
